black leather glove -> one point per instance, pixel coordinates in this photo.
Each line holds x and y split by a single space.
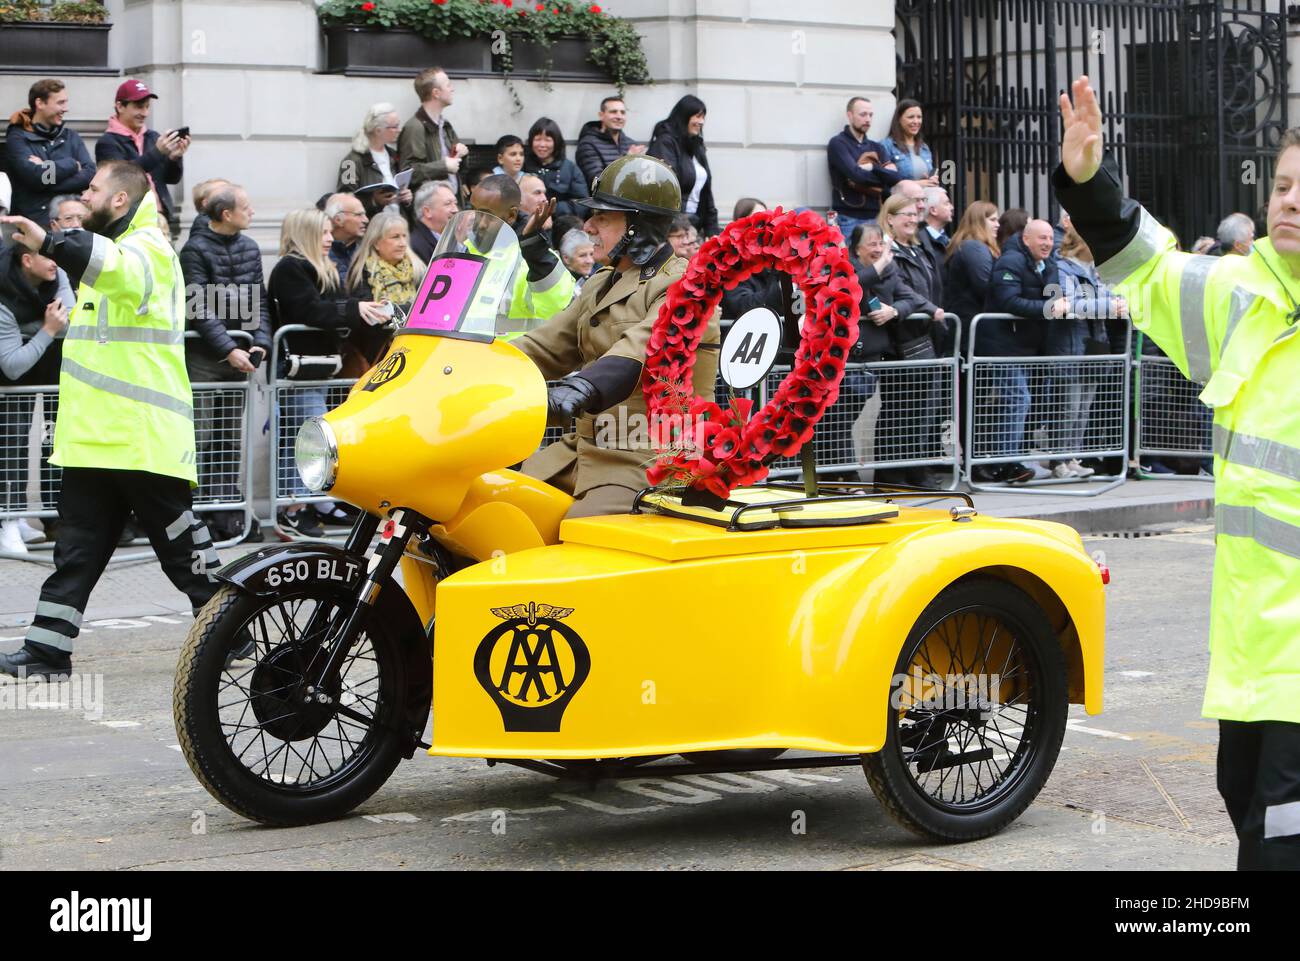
572 396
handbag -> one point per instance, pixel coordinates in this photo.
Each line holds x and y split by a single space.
312 366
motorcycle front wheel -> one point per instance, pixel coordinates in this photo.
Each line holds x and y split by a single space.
256 737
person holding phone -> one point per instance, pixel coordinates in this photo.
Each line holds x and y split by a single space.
35 298
224 293
128 138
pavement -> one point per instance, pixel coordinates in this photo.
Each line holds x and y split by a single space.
103 784
1135 503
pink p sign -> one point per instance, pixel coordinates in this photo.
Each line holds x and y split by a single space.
447 291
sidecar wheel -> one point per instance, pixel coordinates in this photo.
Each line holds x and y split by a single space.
243 722
957 767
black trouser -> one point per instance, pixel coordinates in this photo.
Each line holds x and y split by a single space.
93 507
1259 778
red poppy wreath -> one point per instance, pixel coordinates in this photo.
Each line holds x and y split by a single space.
715 449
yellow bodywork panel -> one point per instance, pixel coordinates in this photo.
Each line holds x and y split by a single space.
504 512
642 634
479 405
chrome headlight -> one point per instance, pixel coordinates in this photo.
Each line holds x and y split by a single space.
317 455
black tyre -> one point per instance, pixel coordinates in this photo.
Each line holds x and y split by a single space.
243 719
958 766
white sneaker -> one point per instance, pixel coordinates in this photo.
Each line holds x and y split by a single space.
1040 472
1063 470
11 538
1080 470
29 533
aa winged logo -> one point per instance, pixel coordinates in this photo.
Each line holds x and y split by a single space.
531 612
531 665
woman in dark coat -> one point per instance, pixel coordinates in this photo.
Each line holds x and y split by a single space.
679 142
544 156
968 263
304 288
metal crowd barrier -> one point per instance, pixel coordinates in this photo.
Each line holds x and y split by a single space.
292 402
889 414
1046 409
1171 420
29 484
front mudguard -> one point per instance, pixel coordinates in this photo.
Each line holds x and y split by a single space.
272 570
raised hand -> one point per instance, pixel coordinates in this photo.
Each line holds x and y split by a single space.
539 218
1081 143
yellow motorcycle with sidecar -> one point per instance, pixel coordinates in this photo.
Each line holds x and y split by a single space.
937 648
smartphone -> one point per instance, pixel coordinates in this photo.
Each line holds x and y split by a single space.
873 304
7 234
182 131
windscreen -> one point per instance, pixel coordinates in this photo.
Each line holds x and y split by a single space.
467 287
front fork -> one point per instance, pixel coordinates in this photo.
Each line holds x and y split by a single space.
397 533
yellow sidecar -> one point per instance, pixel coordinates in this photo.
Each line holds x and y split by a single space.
938 648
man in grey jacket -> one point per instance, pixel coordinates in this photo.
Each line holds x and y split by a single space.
35 298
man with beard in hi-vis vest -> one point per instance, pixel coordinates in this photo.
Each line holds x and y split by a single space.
1228 323
125 430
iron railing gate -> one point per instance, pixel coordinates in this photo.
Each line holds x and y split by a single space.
1194 95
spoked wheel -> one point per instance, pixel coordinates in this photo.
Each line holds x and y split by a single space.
258 737
976 715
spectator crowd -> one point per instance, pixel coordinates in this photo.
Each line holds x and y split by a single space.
359 253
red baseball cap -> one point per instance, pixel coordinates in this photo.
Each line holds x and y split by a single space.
132 91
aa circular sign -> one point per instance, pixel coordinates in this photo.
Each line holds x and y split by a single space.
749 349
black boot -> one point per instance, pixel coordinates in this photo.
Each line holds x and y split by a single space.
31 662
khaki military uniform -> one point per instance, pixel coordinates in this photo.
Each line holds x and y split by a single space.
614 322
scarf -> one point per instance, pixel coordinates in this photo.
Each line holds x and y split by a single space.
116 126
392 282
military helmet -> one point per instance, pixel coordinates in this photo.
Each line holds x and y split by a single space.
636 184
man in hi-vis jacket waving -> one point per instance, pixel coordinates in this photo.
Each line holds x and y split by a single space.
1228 323
125 429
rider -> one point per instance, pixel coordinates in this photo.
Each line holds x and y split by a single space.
598 343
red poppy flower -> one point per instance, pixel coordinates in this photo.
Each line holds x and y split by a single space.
367 7
594 8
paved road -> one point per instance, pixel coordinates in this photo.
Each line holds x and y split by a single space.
1134 787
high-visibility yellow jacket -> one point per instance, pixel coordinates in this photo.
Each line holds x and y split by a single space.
537 299
124 395
543 298
1228 323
